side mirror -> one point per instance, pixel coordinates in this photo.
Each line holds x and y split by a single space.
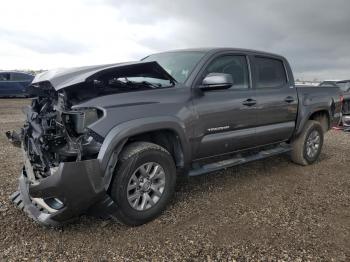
216 81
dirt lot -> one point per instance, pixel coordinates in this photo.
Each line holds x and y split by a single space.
267 210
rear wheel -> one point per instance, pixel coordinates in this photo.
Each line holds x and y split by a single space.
144 182
306 148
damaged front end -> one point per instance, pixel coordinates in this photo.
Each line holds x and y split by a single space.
61 177
52 135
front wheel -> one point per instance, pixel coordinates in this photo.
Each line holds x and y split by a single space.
144 182
306 148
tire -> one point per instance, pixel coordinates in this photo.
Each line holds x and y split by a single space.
300 153
139 161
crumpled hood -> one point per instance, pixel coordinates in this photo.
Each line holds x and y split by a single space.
62 78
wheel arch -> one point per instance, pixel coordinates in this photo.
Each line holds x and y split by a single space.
159 130
166 138
322 115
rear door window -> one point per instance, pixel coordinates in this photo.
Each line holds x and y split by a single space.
20 77
345 86
270 72
4 76
328 84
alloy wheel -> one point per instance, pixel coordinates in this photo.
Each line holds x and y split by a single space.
146 186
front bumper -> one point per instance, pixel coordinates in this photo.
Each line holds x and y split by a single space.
78 185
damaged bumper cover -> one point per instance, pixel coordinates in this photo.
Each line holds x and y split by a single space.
75 188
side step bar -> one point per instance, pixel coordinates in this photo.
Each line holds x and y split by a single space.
213 167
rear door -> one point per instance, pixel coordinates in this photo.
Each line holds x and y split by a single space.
277 100
226 118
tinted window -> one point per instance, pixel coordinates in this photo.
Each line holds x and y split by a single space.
20 77
345 86
234 65
328 84
324 84
4 77
270 73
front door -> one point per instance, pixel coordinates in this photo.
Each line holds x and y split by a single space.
226 118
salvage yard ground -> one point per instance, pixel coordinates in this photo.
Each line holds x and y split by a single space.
270 209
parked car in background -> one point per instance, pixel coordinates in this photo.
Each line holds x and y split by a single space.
329 83
14 84
344 85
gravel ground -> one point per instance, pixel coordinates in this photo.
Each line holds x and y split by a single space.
266 210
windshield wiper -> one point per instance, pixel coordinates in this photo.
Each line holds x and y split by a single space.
129 83
120 83
153 85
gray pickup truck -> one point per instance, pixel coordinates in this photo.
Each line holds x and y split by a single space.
110 140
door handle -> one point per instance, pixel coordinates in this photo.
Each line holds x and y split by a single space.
289 99
249 102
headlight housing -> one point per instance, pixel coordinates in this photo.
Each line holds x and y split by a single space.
81 118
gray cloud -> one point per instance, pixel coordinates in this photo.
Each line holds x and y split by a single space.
48 44
314 35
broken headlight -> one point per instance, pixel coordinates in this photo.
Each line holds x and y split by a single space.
82 118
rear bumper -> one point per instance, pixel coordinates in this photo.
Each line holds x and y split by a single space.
78 186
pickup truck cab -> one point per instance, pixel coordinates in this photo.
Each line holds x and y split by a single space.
111 140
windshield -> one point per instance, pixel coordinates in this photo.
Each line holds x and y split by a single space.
178 64
345 86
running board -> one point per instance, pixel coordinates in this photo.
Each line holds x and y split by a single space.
213 167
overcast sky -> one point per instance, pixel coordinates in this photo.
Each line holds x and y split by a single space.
40 34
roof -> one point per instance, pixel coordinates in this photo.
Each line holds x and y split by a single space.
221 49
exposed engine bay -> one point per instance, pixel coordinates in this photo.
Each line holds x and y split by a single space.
53 134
